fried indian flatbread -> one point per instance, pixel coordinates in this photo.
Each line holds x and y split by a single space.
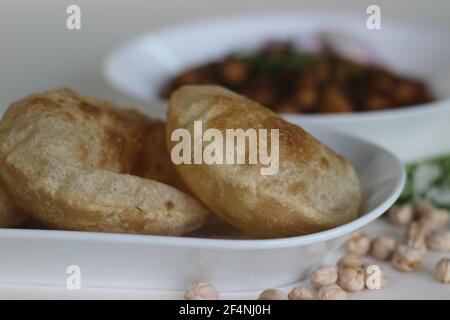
11 215
313 190
70 160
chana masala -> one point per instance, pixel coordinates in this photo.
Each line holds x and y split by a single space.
288 80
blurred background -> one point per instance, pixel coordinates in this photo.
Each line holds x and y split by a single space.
38 52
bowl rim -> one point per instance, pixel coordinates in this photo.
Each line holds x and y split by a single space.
390 114
231 244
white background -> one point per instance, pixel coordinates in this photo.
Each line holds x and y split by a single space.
39 53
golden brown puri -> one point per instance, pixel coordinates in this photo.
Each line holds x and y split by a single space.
314 189
10 213
66 159
154 160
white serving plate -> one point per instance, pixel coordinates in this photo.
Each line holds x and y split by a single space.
140 66
138 261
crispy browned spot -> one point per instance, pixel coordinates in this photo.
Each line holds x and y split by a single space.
89 109
324 163
298 188
169 205
67 116
43 104
83 153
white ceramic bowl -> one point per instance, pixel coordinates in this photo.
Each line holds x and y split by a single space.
138 261
140 67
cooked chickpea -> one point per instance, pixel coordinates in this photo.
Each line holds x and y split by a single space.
300 293
334 101
286 107
331 292
323 276
201 290
273 294
401 215
406 258
404 92
439 240
190 77
359 244
375 101
383 247
306 97
443 270
351 279
234 71
351 260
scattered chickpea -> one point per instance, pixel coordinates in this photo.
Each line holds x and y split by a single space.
443 270
416 234
383 247
331 292
401 215
201 290
272 294
323 276
435 219
359 244
423 206
439 240
406 258
351 260
351 279
300 293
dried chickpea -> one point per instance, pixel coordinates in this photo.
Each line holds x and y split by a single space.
443 270
406 258
435 219
383 247
272 294
401 215
416 234
423 206
300 293
323 276
359 244
332 292
201 290
439 240
351 279
351 260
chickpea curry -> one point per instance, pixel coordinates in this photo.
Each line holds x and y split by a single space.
287 80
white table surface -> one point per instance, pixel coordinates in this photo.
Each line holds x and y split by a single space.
420 284
39 53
